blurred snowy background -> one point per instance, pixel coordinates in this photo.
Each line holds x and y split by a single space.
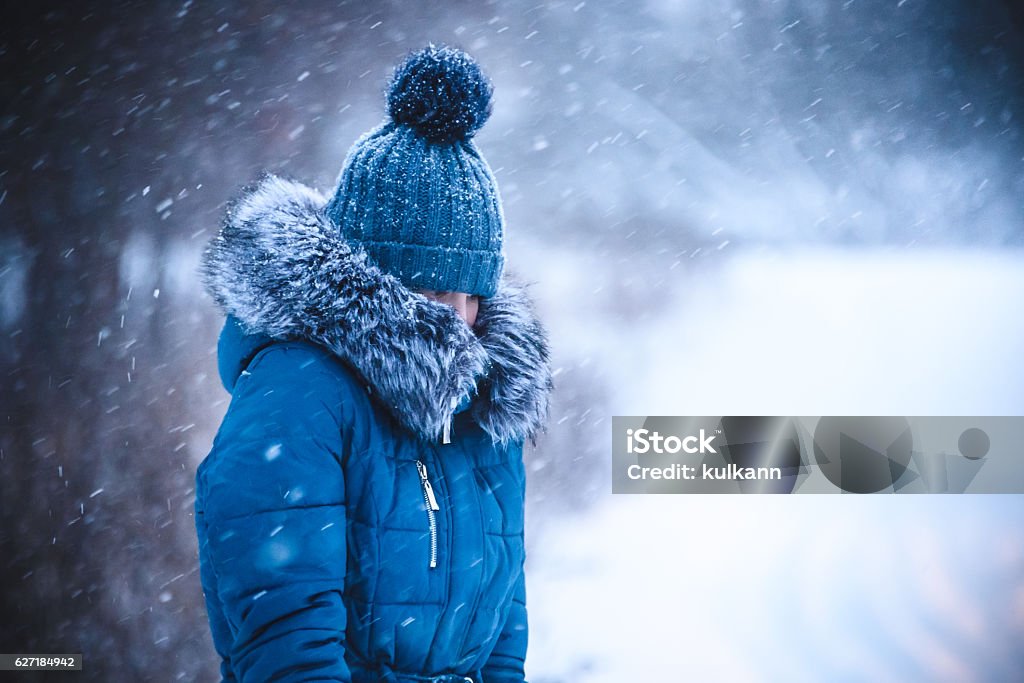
775 207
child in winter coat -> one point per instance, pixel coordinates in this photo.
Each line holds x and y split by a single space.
360 516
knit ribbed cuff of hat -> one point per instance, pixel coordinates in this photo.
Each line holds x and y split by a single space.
473 271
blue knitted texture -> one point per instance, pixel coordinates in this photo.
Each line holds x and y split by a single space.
415 193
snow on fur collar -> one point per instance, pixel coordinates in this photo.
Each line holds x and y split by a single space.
283 269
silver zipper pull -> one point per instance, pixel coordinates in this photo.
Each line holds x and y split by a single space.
426 486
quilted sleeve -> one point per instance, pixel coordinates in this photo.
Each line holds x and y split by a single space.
506 663
507 660
271 512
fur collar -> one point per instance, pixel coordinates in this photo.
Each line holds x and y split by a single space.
283 269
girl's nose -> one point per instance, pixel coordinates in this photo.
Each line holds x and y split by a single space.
461 308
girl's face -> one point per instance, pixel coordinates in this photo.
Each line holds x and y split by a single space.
466 305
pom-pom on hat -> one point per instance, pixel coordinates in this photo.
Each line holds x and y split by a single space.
415 193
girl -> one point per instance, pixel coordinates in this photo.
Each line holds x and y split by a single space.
360 516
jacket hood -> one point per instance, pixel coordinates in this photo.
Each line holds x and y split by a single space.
283 270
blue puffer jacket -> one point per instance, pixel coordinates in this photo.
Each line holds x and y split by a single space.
360 516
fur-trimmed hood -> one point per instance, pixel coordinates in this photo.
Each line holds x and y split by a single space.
283 269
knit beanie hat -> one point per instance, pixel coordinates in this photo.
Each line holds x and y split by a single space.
414 192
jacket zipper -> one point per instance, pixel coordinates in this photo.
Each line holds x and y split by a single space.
432 507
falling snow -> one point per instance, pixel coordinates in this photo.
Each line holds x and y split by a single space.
748 208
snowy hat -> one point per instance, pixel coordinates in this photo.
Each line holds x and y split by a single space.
415 193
